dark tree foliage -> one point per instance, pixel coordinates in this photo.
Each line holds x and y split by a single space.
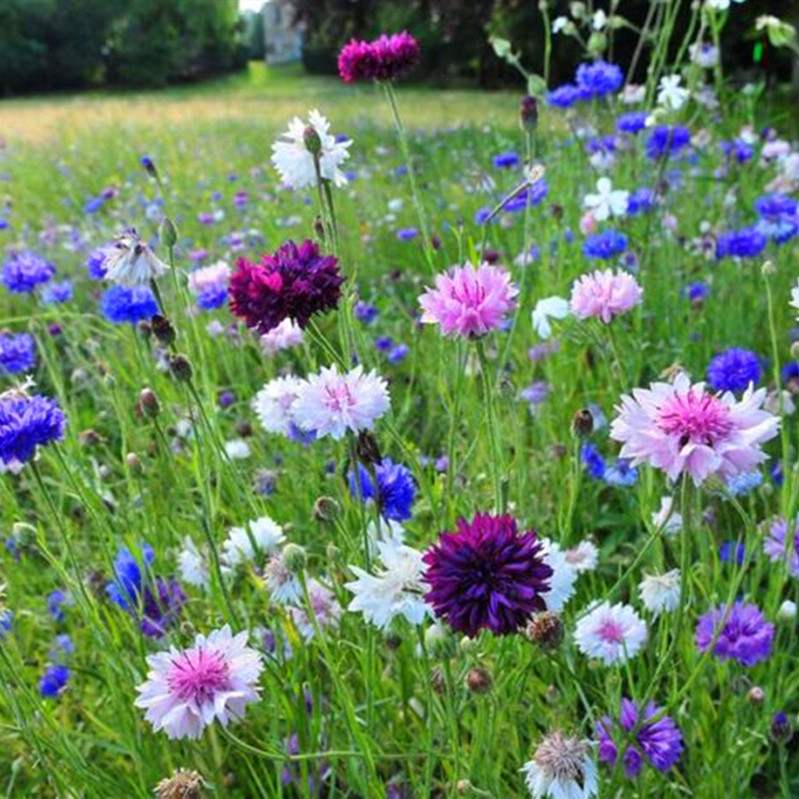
55 44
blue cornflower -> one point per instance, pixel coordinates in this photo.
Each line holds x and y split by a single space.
213 296
640 201
621 473
300 436
53 681
17 353
365 313
482 215
605 245
6 621
666 141
631 122
383 343
55 599
95 263
778 217
26 270
407 233
62 648
506 160
3 223
747 242
93 205
121 304
57 293
396 488
776 473
731 549
565 96
696 292
398 353
27 422
743 483
601 145
738 149
733 370
599 78
128 583
790 372
531 196
593 461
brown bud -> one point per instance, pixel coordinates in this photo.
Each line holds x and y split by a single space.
180 366
545 629
326 509
528 112
163 329
583 423
319 228
478 680
367 449
393 641
148 404
756 695
438 681
244 428
89 438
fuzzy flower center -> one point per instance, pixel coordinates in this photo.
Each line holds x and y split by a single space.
338 398
561 757
611 632
695 417
198 675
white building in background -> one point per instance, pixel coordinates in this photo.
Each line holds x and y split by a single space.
283 39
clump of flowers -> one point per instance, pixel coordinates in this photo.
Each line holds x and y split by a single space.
295 282
741 633
487 575
658 743
684 429
469 301
385 58
604 294
187 690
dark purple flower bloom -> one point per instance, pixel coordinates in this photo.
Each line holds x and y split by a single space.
294 282
17 353
733 370
659 742
27 422
26 270
746 636
486 575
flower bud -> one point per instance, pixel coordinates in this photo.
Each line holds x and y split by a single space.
528 112
478 680
162 329
326 509
148 404
312 141
463 787
180 366
582 423
294 558
133 462
768 269
367 449
756 695
168 233
89 438
781 729
545 629
437 680
787 611
149 166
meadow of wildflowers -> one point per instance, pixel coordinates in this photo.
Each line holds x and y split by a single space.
381 461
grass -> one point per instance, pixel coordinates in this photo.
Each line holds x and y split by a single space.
375 712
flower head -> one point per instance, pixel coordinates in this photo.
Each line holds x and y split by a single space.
546 309
122 304
561 768
295 158
747 242
26 423
295 282
683 429
734 370
605 245
331 403
487 575
385 58
469 301
26 270
599 78
605 294
741 632
396 488
607 201
53 681
671 94
186 690
17 353
130 261
282 337
660 592
262 535
778 549
665 141
612 633
658 743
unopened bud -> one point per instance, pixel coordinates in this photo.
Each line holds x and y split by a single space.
148 404
162 329
582 423
795 350
149 166
437 681
180 366
133 462
756 695
478 680
367 449
319 228
768 269
312 141
787 611
528 112
294 558
545 629
326 509
168 233
781 729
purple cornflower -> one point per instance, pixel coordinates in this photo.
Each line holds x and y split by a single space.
665 141
95 262
747 242
598 79
26 270
57 293
396 489
365 313
774 545
17 353
733 370
658 743
631 122
696 292
732 550
746 636
486 575
605 245
55 600
778 217
27 422
565 96
398 353
295 282
738 149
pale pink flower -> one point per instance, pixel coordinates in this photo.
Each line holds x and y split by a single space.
604 294
469 301
214 679
331 403
217 274
684 429
285 335
588 223
612 633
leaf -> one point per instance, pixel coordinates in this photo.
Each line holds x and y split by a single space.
536 85
502 47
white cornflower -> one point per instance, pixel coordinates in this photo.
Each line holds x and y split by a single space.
281 337
583 557
546 309
325 606
660 592
274 402
561 768
564 575
671 94
612 633
562 25
282 584
633 93
671 522
192 566
397 590
131 262
263 535
331 403
237 449
293 158
607 201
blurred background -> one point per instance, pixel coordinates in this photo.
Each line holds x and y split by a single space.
49 45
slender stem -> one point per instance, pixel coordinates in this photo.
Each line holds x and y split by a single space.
491 424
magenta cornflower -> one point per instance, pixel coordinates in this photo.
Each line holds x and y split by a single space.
604 294
294 282
214 679
487 575
683 429
385 58
469 301
746 635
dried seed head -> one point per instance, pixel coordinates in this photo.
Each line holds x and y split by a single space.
545 629
183 784
478 680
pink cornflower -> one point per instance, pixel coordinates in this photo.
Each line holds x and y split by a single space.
469 301
285 335
331 403
214 679
216 274
384 58
684 429
604 295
